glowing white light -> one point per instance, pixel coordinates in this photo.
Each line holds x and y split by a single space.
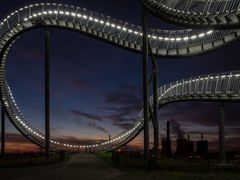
201 35
193 37
210 32
178 39
135 32
166 39
61 12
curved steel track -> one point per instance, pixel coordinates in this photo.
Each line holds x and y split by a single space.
220 26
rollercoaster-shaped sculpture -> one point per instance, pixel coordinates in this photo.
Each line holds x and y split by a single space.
219 17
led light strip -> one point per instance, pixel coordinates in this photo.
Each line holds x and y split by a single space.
198 79
121 137
118 27
107 23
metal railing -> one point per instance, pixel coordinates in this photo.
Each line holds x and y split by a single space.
120 33
197 12
214 87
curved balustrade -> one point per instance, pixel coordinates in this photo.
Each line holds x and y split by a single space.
215 87
167 43
219 14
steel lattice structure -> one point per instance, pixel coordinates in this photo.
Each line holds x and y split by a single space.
220 19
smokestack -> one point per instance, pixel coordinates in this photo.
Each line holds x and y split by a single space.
169 150
190 145
109 137
166 143
168 131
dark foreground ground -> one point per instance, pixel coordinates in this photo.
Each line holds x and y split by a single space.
88 166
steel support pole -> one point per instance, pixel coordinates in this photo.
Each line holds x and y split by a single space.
155 108
154 116
3 132
47 92
145 82
222 153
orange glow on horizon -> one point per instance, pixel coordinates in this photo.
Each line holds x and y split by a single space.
21 148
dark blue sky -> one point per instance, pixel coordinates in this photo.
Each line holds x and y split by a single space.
95 82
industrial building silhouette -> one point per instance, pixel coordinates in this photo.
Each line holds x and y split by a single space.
184 147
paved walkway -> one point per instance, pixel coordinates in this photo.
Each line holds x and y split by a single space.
84 166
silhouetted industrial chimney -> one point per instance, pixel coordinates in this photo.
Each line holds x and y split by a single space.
202 146
190 146
169 149
166 143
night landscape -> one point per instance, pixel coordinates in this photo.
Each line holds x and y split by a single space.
140 89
